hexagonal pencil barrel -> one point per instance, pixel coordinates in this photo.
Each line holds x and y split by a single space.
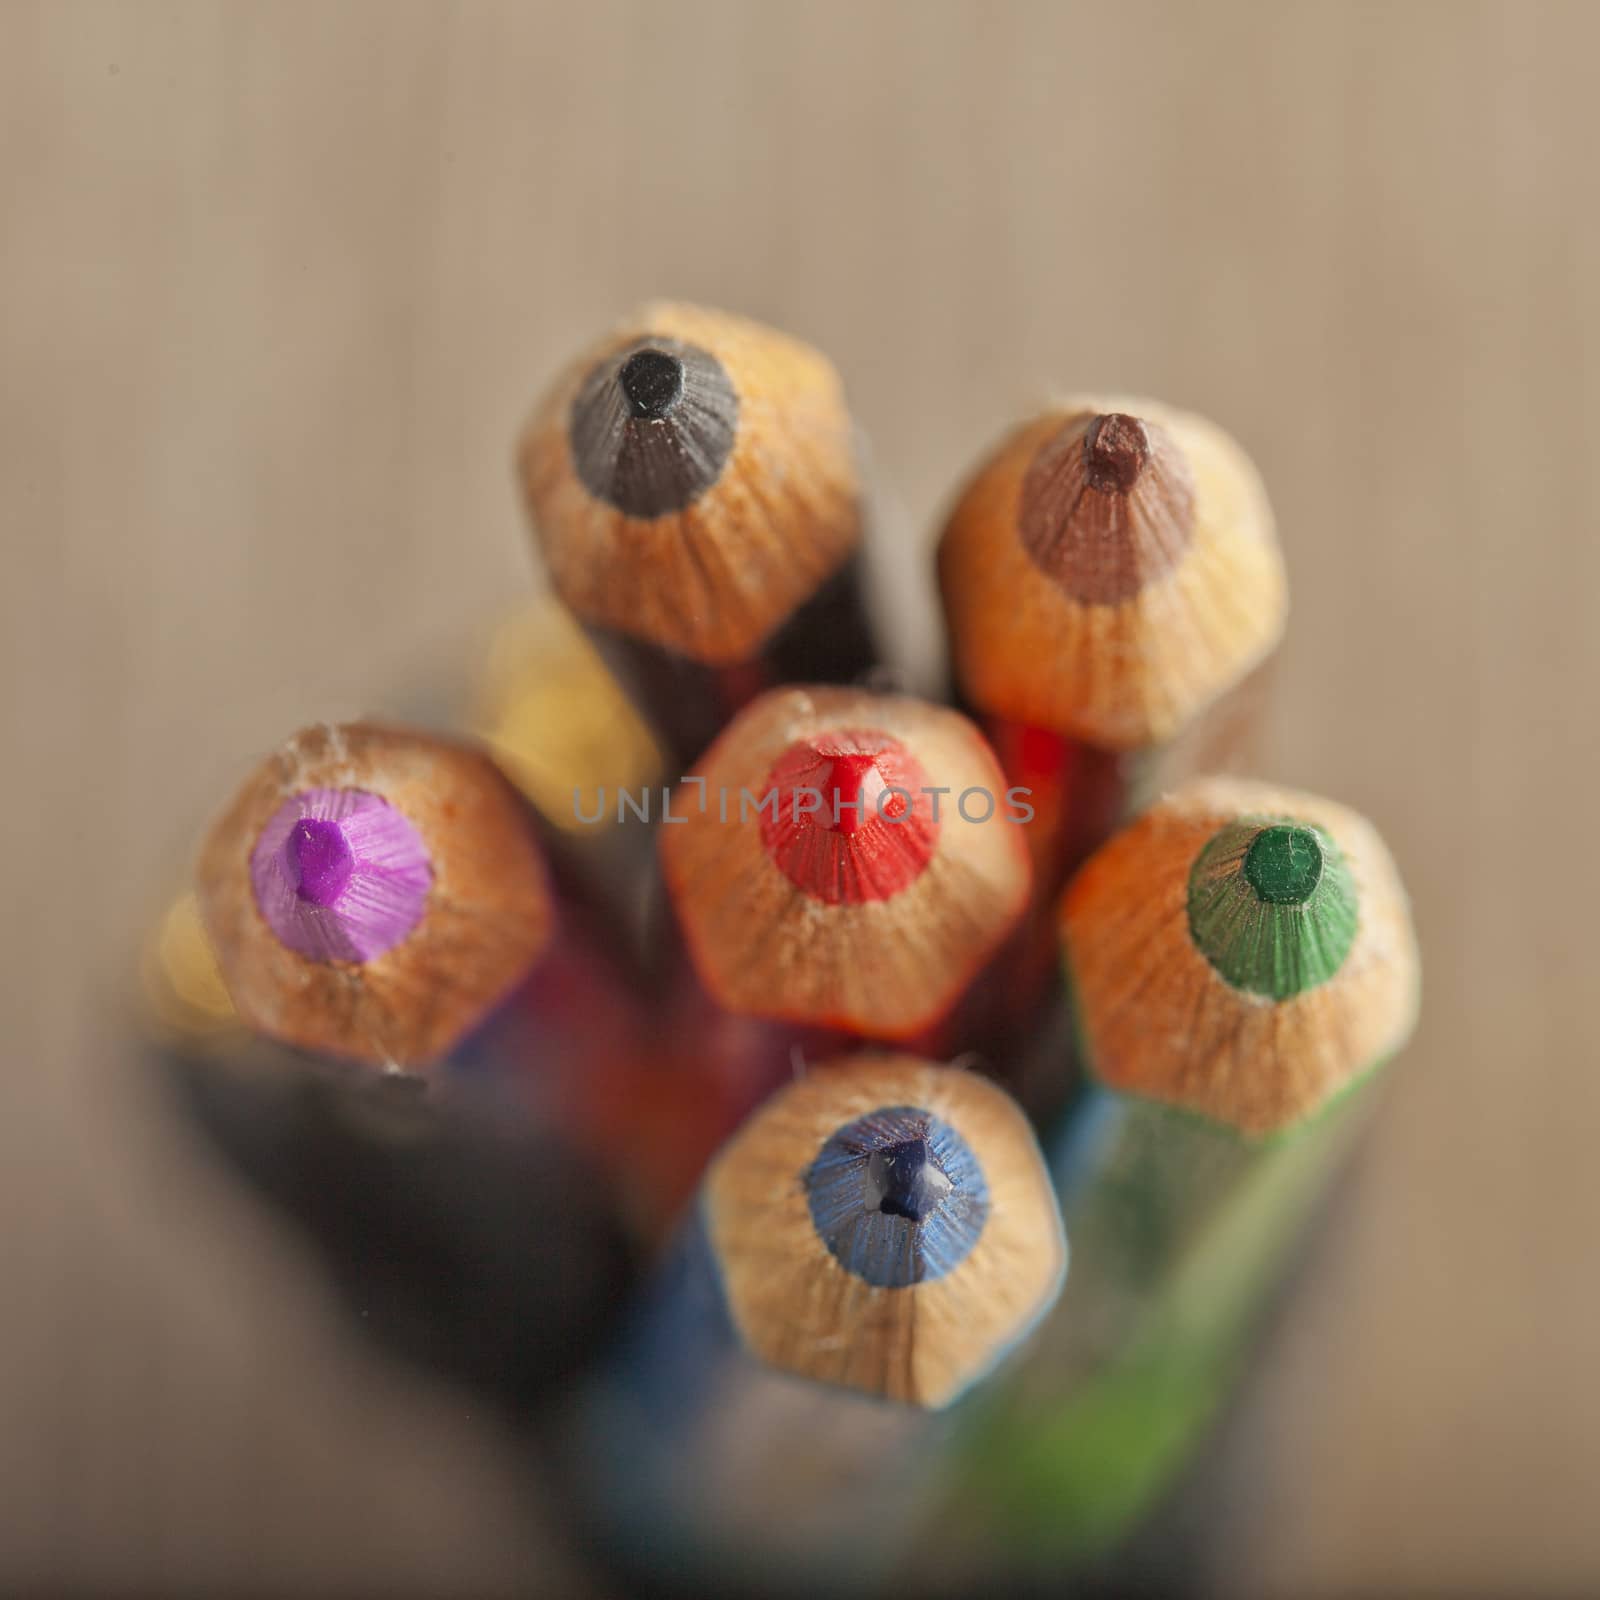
372 892
845 859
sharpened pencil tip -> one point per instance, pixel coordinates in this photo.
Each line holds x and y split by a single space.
653 382
850 821
1115 450
1272 906
340 875
891 1268
1107 506
319 860
904 1180
1273 964
1284 865
653 426
898 1197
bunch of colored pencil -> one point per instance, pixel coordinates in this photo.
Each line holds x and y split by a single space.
712 1061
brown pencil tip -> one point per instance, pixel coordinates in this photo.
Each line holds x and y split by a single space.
1107 507
1115 450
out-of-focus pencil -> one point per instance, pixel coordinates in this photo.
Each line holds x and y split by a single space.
821 880
694 485
557 723
419 1212
1108 574
883 1230
1242 960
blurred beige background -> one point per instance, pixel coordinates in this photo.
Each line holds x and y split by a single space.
276 284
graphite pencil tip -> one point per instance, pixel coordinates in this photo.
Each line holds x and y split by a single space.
692 481
652 427
653 382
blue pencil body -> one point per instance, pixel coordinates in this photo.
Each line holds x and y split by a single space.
700 1464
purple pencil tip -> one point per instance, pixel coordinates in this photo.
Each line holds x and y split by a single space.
340 874
319 860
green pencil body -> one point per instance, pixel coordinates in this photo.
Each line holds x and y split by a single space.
1181 1232
1240 961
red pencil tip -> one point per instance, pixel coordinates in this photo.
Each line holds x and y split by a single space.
846 818
852 788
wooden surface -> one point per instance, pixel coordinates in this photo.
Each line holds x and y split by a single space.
276 285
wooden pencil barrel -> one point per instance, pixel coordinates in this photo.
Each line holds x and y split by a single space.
694 484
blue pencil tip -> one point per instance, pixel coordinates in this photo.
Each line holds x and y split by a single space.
903 1180
898 1197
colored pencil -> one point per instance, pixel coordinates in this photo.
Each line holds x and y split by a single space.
376 899
1109 573
872 1243
1242 960
844 860
559 726
693 482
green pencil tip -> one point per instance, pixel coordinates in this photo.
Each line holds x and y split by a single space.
1272 906
1284 865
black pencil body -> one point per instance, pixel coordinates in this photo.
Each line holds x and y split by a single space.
828 639
479 1250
